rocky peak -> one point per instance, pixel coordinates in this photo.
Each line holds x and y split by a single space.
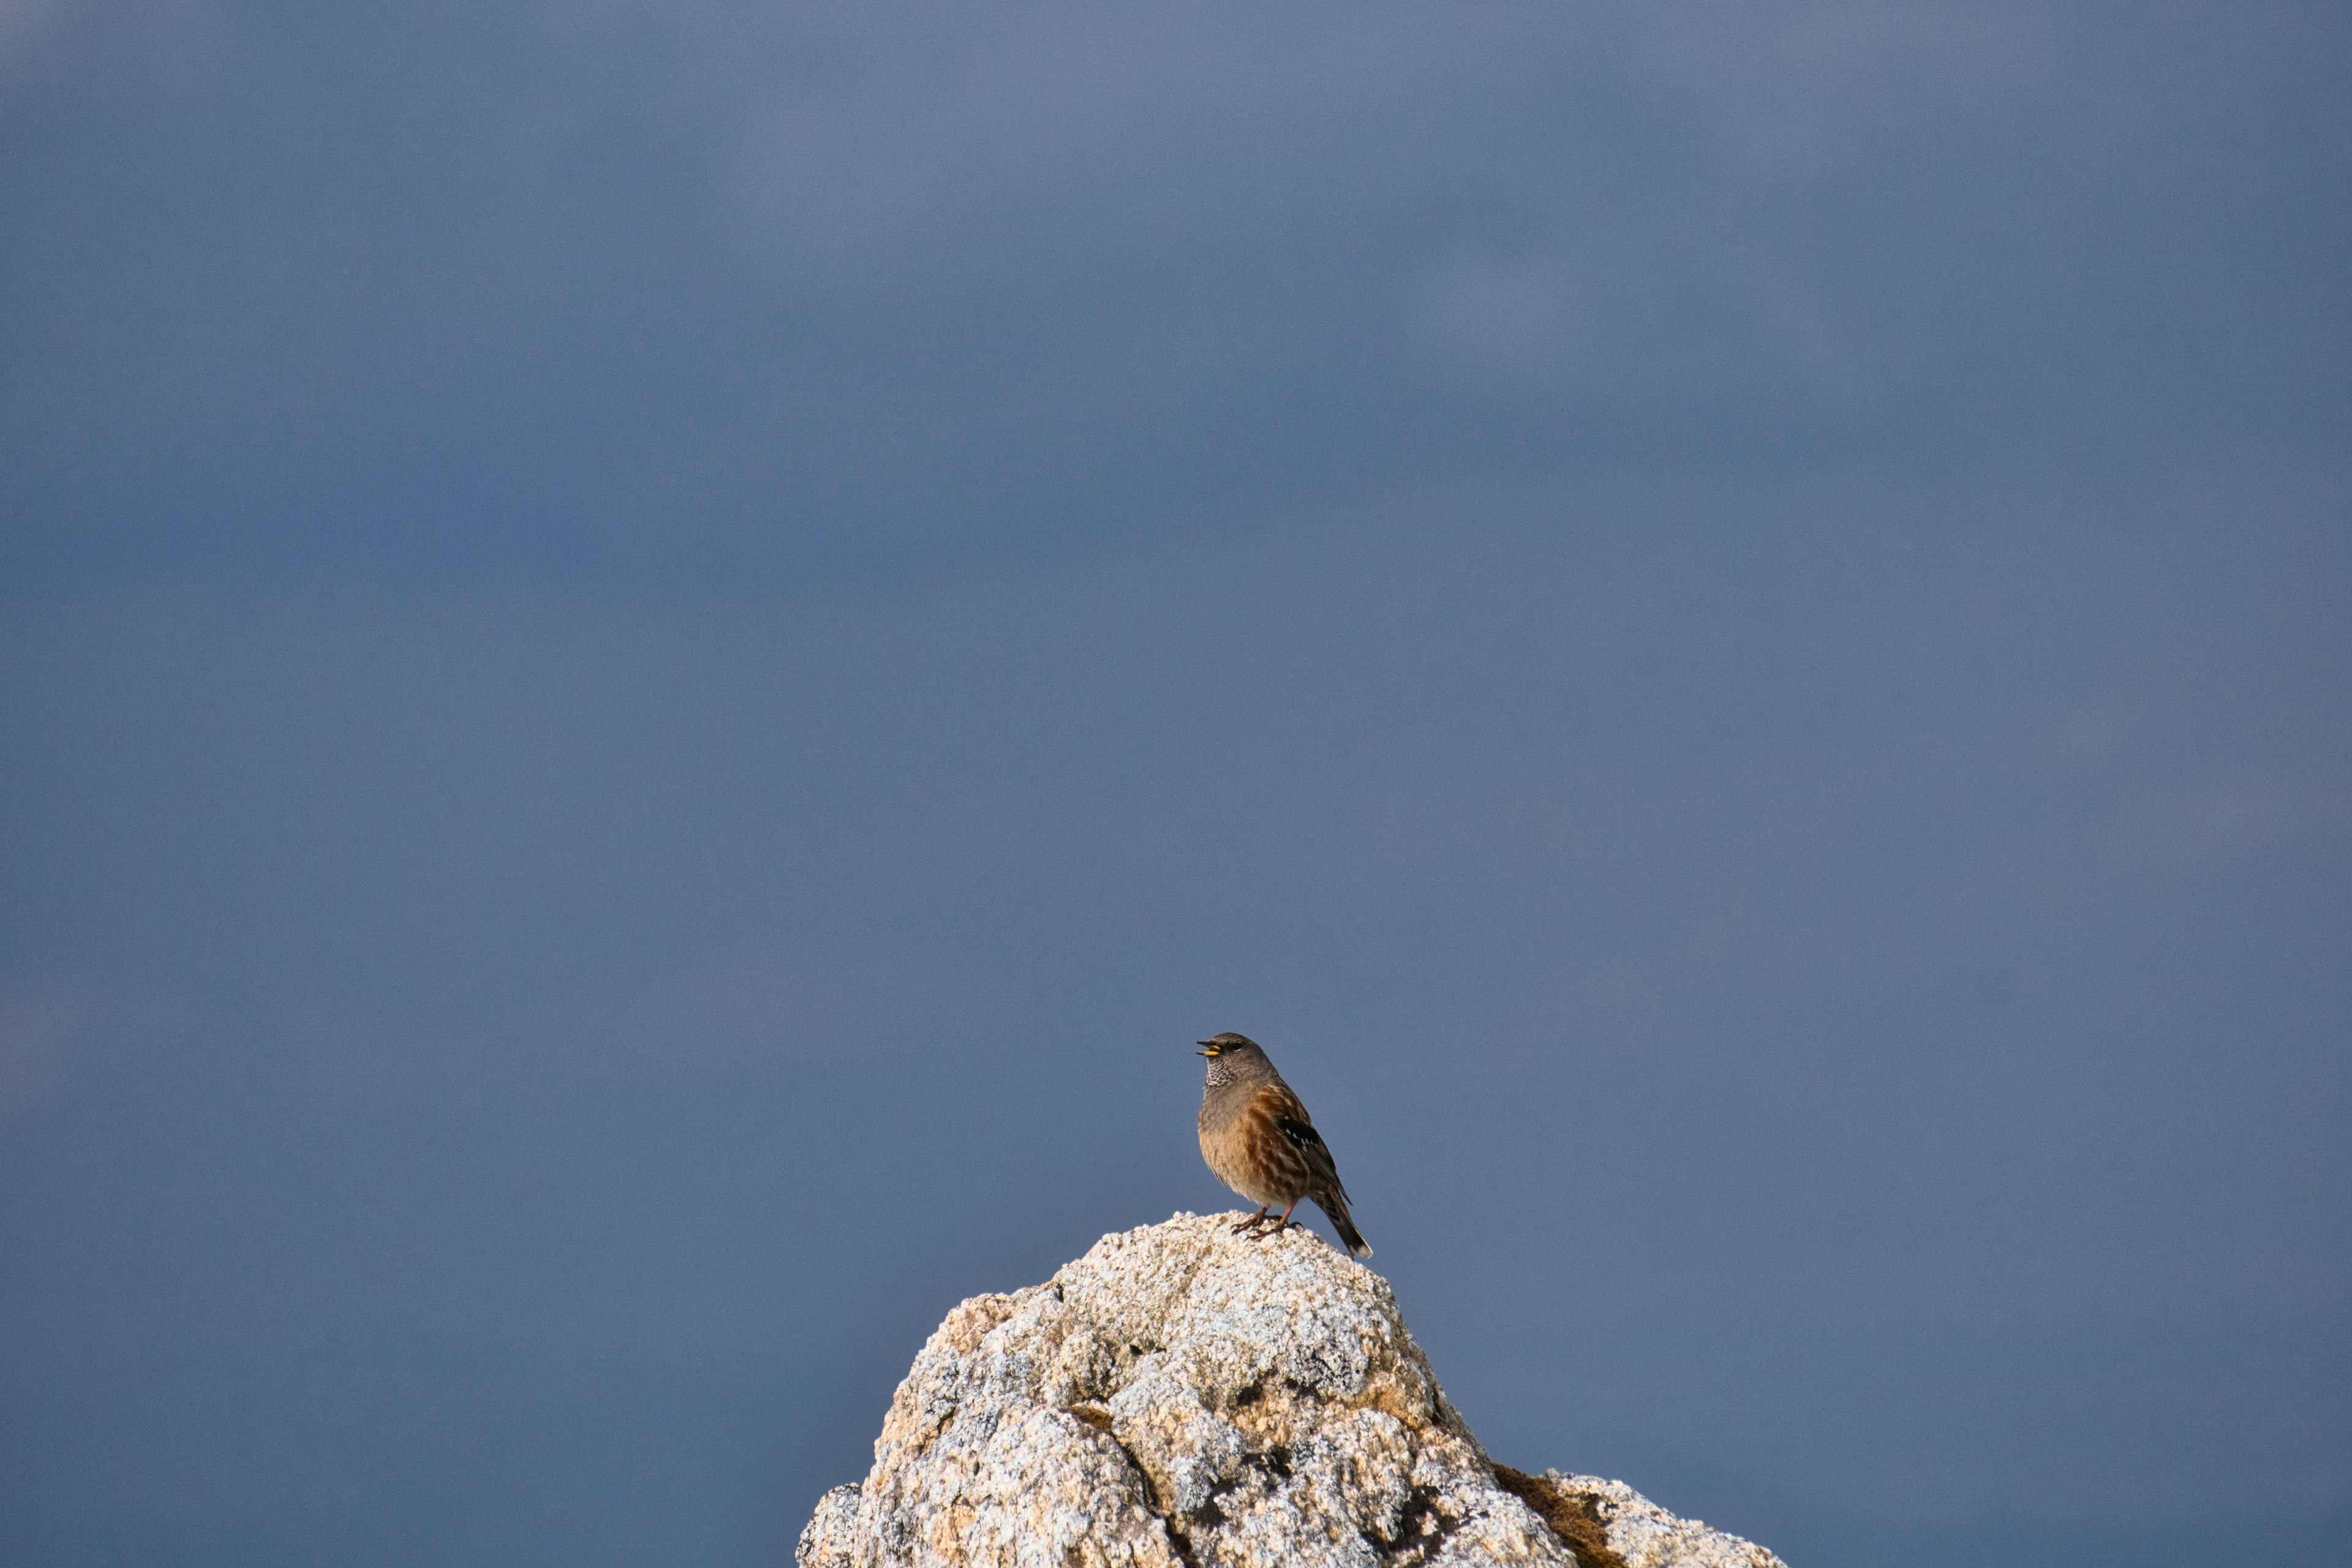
1183 1397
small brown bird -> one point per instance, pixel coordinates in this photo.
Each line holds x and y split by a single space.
1261 1143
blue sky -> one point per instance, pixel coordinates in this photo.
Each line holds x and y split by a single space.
657 661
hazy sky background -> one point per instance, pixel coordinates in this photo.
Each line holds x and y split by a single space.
656 660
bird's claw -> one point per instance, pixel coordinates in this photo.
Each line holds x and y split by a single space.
1264 1224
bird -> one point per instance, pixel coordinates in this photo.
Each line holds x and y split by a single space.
1260 1142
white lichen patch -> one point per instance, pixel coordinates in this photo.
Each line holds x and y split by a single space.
1646 1536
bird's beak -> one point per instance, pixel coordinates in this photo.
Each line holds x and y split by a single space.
1208 1047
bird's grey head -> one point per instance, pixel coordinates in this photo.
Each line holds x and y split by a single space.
1235 1058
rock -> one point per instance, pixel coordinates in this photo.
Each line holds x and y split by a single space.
1183 1397
1608 1524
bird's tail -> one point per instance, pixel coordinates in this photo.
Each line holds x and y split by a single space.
1335 1209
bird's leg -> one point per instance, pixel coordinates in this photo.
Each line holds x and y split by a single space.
1275 1224
1254 1221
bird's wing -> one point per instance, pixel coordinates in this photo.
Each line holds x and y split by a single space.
1291 1119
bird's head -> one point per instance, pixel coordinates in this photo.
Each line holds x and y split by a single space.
1233 1056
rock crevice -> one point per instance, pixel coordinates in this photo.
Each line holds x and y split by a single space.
1182 1397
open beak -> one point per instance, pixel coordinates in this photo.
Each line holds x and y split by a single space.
1208 1047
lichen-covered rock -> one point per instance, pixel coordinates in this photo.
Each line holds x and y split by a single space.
1183 1397
1608 1524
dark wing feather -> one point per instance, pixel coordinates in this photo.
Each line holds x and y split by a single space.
1291 1119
